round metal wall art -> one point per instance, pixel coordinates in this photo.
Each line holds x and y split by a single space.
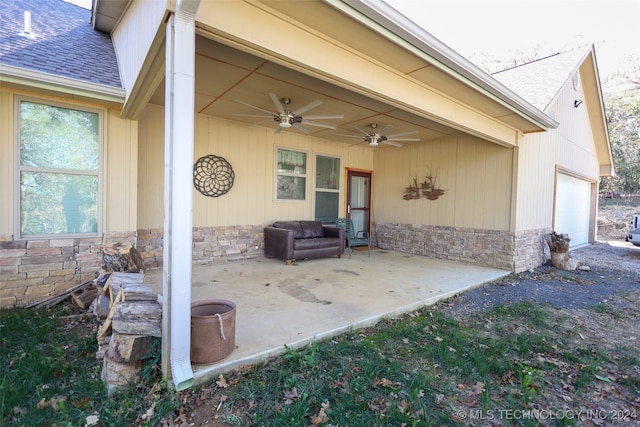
213 175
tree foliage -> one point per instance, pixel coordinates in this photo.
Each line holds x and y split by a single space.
623 119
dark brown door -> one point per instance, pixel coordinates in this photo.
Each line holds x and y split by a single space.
359 199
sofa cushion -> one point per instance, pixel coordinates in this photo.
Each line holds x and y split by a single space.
291 225
312 229
318 243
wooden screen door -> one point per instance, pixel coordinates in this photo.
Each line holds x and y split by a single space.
359 199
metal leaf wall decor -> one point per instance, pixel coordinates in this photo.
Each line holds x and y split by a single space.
427 188
213 175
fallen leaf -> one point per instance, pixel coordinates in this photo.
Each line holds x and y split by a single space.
150 412
92 420
601 378
384 382
16 411
438 339
478 388
322 416
56 402
222 382
81 403
403 405
290 396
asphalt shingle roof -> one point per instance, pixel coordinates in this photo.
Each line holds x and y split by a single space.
539 81
64 43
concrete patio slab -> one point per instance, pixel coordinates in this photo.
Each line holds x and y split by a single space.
280 305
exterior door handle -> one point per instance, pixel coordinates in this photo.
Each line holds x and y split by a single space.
349 209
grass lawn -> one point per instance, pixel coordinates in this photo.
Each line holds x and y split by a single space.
524 364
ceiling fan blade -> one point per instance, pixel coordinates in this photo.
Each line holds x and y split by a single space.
385 129
322 125
278 129
413 132
301 128
257 108
320 117
364 133
395 144
349 136
404 139
277 103
252 115
307 107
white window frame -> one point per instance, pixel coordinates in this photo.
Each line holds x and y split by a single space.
18 169
317 189
279 173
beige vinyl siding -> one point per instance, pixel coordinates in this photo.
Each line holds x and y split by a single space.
6 163
251 152
476 175
135 36
571 147
121 160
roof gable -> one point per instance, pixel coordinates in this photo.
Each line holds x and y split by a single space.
540 81
63 43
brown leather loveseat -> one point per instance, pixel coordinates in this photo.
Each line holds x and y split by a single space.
289 240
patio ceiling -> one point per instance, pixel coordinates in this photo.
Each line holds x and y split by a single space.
225 75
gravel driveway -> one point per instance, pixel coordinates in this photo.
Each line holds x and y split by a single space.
613 279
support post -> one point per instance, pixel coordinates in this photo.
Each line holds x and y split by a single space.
178 195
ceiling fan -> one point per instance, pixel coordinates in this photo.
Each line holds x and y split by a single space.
374 138
286 118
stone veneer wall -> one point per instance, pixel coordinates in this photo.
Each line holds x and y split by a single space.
209 244
33 270
499 249
532 249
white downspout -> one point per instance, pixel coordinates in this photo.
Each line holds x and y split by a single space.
178 196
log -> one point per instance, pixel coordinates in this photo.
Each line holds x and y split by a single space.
127 278
127 348
563 261
138 318
83 297
139 293
56 299
103 306
117 374
559 247
558 242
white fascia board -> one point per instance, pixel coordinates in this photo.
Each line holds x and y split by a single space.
46 81
419 41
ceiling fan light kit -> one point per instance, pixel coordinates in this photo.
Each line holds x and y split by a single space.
286 118
374 138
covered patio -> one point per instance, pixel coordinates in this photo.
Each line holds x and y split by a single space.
280 305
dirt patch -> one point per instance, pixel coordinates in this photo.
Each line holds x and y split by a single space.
614 217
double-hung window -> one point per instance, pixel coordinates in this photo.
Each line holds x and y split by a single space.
327 189
58 170
291 175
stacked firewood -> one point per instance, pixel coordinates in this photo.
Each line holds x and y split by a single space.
129 315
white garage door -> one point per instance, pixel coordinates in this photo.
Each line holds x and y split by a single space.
573 201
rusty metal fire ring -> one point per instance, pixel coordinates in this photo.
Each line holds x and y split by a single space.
213 175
